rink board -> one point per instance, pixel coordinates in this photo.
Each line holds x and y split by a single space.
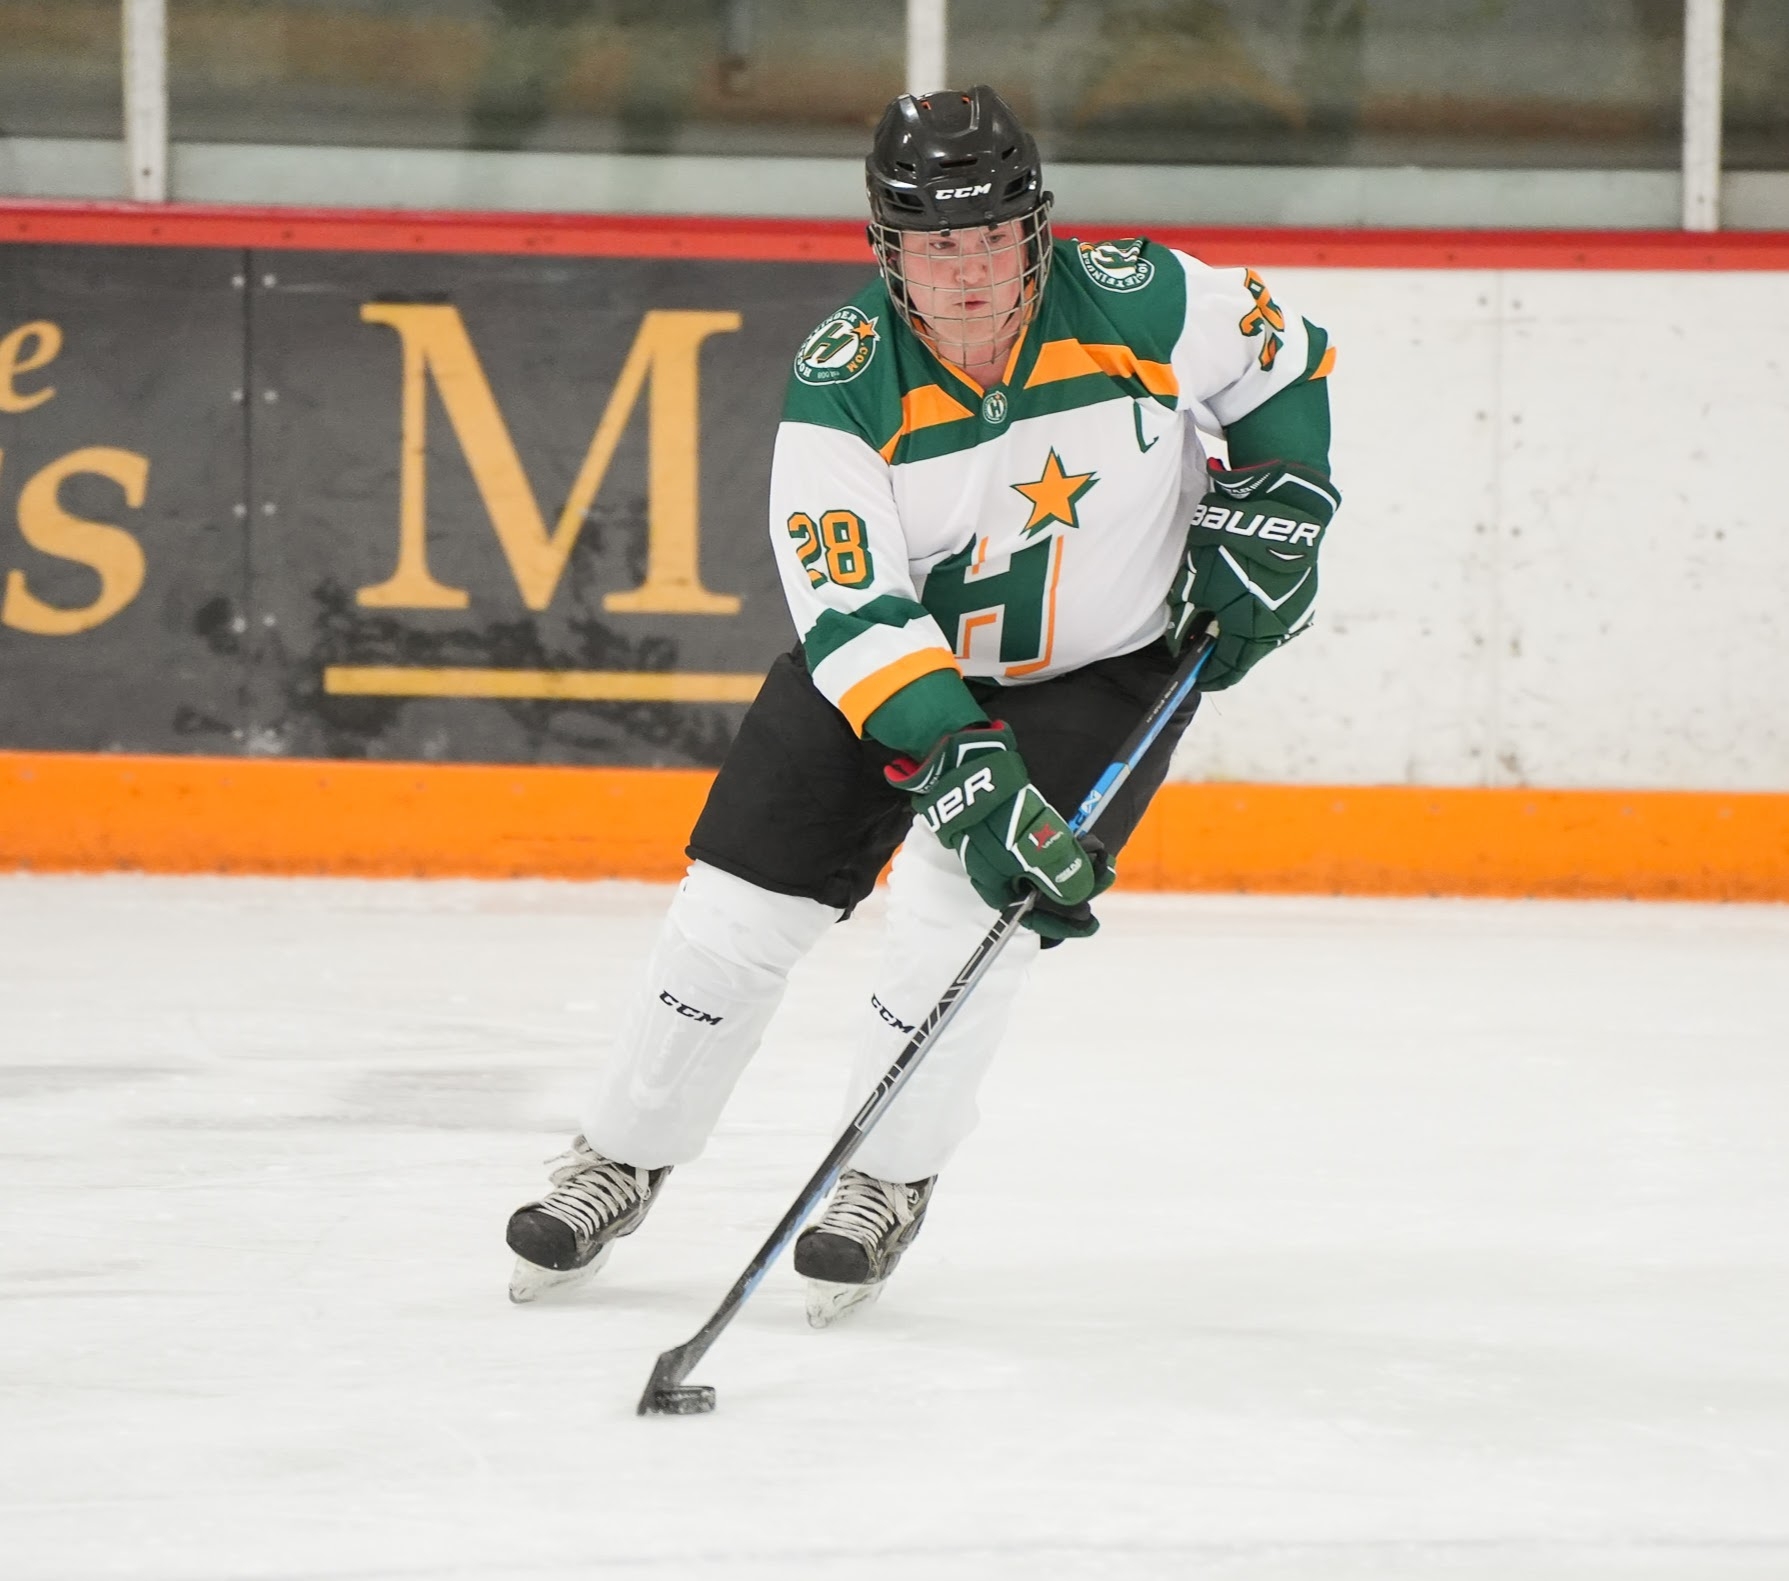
357 465
461 518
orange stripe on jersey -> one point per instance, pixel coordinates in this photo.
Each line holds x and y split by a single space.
1324 364
869 694
1050 622
1070 359
966 636
925 407
1012 357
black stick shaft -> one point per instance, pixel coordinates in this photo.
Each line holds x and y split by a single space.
674 1365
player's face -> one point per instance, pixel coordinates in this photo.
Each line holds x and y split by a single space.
968 287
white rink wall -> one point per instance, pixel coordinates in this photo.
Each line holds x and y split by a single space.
1563 560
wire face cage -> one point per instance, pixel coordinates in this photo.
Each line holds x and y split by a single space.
969 292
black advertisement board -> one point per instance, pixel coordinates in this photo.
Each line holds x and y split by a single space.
467 508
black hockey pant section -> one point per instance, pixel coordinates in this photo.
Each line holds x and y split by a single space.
800 805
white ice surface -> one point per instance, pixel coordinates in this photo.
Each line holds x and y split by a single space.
1304 1240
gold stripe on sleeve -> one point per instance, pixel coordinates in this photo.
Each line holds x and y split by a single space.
869 694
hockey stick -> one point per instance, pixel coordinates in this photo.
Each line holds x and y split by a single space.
666 1393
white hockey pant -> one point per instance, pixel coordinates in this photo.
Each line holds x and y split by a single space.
717 975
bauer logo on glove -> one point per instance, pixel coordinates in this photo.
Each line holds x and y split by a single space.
975 793
1218 517
950 805
1254 567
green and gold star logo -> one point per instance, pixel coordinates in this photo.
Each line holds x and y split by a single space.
1053 495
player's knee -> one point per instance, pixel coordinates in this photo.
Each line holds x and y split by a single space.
752 929
928 889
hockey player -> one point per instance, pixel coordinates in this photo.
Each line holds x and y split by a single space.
980 504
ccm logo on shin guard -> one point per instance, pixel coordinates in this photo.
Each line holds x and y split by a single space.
889 1016
958 799
690 1012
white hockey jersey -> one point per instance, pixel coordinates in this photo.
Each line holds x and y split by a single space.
923 525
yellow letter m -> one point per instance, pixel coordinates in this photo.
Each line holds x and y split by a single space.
664 355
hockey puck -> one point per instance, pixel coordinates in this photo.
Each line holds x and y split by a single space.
689 1399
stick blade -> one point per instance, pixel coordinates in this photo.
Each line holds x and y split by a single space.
666 1392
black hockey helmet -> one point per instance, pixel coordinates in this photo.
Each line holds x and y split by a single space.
958 161
946 161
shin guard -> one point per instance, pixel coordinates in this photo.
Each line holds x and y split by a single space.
935 921
715 978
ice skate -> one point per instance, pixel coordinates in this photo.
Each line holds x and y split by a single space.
565 1237
848 1255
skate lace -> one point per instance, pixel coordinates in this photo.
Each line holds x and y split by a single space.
591 1192
866 1209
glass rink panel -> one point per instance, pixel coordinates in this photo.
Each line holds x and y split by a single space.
1490 83
1756 85
762 77
61 68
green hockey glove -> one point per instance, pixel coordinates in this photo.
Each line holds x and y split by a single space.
974 792
1251 560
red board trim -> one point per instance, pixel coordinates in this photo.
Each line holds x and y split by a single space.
358 230
842 241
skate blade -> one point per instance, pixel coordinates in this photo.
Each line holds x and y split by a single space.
530 1281
828 1302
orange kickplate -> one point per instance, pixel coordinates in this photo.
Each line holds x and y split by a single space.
98 812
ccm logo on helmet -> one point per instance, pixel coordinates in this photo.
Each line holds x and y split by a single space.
968 192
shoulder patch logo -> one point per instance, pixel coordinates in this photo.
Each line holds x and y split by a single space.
838 350
1117 266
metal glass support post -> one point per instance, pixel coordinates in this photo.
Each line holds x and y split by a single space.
1702 34
926 34
146 98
